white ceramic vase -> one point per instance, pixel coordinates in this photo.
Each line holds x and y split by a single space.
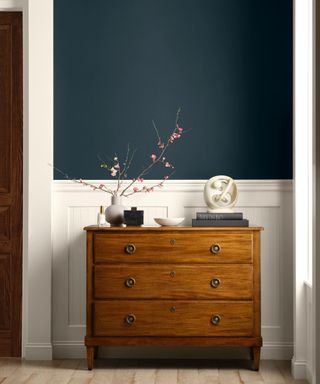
114 213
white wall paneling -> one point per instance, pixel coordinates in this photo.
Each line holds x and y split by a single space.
265 203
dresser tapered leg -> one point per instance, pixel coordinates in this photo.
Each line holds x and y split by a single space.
255 355
90 356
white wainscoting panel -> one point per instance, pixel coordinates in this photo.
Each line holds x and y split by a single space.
264 203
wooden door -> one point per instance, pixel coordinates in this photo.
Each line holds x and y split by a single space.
10 183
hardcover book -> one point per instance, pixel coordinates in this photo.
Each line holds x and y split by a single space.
219 216
220 223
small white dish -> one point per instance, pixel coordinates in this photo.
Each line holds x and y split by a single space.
168 221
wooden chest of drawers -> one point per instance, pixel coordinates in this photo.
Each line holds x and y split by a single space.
173 286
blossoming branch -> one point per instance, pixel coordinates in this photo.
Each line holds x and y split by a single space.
119 170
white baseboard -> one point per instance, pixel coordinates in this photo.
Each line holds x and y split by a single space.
299 369
38 351
277 351
77 350
309 375
69 350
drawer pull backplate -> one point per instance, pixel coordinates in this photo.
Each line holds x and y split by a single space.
130 319
215 282
130 248
130 282
215 319
215 248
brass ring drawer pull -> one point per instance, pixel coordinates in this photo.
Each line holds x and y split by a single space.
215 319
130 319
215 282
130 248
215 248
130 282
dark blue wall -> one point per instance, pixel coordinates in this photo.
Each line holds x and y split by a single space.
119 64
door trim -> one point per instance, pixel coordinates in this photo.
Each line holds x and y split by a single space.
37 174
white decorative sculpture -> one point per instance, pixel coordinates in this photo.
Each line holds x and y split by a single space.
220 194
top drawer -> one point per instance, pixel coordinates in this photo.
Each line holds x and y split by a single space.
205 247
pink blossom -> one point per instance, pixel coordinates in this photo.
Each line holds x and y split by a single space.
166 177
153 157
167 164
179 129
140 179
113 171
171 139
135 189
176 135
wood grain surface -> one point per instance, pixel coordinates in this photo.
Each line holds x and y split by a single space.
173 318
161 286
10 182
173 281
175 247
161 371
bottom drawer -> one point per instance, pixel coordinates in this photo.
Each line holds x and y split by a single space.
173 318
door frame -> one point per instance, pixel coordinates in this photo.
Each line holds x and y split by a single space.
37 174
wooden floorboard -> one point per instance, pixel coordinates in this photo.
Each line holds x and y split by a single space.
74 371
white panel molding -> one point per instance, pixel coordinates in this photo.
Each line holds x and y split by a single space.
266 203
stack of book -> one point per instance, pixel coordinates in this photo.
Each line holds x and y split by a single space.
232 219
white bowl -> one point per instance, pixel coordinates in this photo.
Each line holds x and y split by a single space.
168 221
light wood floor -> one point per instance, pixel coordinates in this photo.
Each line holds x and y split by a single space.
16 371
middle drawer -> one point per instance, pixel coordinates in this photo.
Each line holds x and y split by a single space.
173 281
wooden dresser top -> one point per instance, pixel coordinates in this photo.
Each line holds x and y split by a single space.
95 228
